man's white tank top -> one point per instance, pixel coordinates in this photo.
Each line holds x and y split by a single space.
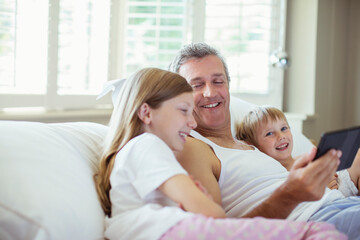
248 177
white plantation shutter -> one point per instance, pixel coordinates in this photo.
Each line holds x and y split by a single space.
246 32
54 53
155 31
23 39
83 42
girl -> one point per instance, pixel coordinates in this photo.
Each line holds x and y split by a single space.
267 129
145 192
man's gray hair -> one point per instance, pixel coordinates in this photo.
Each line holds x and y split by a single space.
196 50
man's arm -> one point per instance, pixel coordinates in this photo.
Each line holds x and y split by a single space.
307 181
200 161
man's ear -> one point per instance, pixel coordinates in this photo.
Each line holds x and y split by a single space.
144 113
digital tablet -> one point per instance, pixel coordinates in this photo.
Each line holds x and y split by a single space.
346 140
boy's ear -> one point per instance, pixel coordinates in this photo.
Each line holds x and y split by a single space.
144 113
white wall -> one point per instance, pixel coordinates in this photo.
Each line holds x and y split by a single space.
301 47
352 89
323 81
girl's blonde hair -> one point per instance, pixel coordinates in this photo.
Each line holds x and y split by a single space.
149 85
246 130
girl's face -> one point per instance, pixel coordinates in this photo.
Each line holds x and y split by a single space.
173 120
275 139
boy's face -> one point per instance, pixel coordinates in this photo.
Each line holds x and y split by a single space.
275 139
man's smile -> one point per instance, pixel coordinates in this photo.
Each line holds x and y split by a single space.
212 105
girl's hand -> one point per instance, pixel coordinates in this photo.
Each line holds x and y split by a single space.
201 187
333 184
190 196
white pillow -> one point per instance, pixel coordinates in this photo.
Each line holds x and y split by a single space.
239 108
46 180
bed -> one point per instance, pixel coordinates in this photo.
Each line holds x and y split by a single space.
46 185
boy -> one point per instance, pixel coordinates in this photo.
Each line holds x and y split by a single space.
267 129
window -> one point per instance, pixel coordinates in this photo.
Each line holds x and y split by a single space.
245 32
53 54
21 38
155 31
58 53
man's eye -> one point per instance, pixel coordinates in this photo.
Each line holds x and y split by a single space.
196 86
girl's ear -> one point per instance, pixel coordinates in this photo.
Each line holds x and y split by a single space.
144 113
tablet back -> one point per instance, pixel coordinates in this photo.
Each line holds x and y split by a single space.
346 140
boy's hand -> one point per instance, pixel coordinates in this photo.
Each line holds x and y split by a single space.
333 184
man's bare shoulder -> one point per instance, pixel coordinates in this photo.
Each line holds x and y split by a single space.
195 143
196 150
197 147
199 160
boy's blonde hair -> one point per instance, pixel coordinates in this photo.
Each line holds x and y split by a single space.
246 129
150 85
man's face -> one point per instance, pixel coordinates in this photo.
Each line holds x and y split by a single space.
211 91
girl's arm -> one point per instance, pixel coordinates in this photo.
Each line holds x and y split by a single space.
182 189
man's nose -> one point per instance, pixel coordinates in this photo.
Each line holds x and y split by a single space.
208 91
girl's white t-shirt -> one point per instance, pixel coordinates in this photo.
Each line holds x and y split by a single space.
139 209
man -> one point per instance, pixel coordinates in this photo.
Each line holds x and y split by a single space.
246 182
